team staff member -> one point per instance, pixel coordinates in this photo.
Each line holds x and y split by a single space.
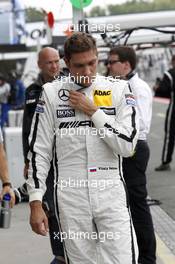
4 175
48 62
167 86
85 157
122 62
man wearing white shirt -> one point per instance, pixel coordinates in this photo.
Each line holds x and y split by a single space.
122 63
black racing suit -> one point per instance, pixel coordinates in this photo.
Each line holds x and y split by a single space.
31 99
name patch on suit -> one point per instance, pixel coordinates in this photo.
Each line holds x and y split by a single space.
103 97
61 113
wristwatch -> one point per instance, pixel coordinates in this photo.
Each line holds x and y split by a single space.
7 184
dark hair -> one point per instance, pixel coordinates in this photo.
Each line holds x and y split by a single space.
125 53
173 58
79 42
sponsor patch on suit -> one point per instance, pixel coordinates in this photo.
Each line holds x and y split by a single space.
109 111
39 109
102 97
130 99
61 113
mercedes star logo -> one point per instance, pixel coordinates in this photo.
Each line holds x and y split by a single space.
63 94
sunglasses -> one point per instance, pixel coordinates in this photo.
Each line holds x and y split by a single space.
111 62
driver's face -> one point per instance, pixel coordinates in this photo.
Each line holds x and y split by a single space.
83 66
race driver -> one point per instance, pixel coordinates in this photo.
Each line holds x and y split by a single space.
87 123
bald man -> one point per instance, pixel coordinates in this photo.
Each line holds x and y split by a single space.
48 63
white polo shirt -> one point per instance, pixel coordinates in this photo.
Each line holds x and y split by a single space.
144 102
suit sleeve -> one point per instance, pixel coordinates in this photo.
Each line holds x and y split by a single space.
41 142
29 110
25 129
121 132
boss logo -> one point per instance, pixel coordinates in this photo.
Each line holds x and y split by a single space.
65 113
102 93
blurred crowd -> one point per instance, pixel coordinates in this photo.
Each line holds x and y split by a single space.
12 95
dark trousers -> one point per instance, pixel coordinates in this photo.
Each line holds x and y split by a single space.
56 243
169 138
134 169
48 199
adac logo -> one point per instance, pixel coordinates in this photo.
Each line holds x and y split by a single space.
63 94
103 97
102 93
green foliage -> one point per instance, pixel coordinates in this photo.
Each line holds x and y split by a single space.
134 6
34 15
97 11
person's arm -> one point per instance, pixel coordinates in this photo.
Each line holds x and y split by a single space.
4 176
144 103
31 99
38 218
121 132
41 144
165 86
26 124
22 89
4 89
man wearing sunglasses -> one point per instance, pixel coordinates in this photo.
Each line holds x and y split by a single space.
122 64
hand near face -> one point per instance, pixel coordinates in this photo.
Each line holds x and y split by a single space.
80 102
